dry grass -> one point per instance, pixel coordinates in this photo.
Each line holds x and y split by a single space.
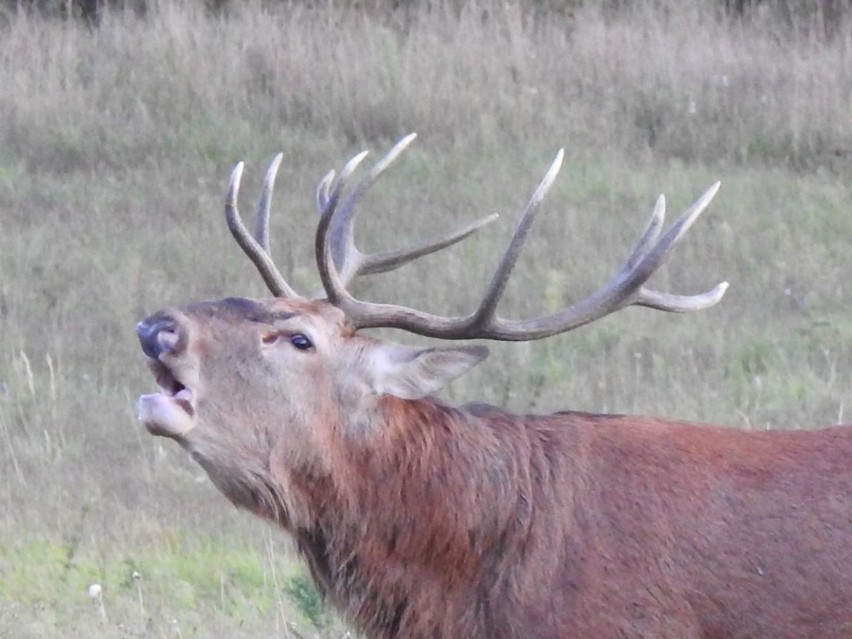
114 149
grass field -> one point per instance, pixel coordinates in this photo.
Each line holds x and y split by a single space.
115 147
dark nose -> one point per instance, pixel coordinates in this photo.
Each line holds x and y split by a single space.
160 334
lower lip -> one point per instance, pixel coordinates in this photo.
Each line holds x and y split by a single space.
167 415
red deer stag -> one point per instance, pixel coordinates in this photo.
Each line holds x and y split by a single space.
420 520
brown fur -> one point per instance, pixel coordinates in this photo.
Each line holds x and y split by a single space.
421 521
577 525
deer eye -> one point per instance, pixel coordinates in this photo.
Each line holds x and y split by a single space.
300 341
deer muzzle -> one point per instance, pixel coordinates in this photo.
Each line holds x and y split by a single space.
171 412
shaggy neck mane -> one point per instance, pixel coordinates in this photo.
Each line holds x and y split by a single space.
417 515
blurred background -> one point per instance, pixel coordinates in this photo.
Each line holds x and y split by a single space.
120 123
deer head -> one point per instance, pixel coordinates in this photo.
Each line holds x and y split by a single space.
264 393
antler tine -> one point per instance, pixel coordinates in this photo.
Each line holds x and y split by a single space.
681 303
330 276
383 262
650 234
624 289
324 191
348 259
261 222
500 279
252 247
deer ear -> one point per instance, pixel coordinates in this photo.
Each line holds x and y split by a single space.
412 373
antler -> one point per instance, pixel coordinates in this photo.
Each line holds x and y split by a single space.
626 287
257 246
349 261
339 261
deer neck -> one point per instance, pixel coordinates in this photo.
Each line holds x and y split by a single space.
365 542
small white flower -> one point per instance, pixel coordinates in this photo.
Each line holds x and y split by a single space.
94 591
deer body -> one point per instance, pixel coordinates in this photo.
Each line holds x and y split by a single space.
419 520
500 526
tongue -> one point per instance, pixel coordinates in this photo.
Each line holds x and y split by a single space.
184 398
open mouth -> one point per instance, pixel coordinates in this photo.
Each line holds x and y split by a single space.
171 412
172 387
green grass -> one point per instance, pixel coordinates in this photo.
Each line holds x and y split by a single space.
174 586
115 149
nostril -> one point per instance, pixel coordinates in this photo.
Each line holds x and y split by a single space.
158 336
167 339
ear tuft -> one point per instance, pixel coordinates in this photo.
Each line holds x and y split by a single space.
411 373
